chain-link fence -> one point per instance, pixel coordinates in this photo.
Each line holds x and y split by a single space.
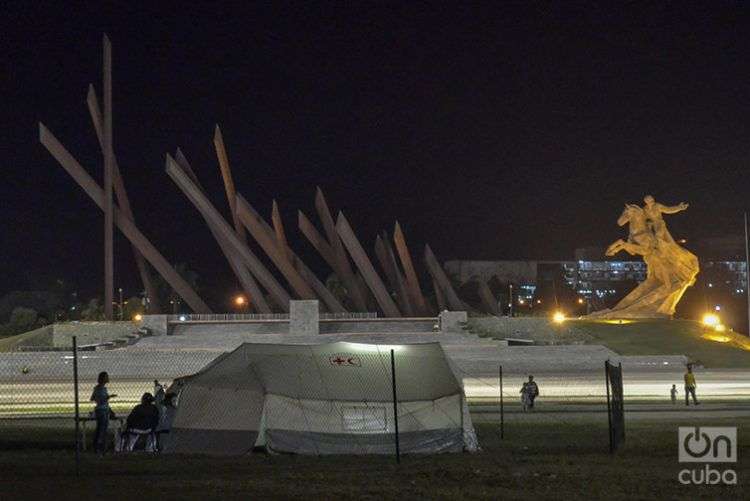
295 398
327 399
37 389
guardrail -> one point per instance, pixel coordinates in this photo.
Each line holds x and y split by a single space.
245 317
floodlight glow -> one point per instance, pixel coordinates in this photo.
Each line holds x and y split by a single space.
558 317
711 320
138 317
720 328
183 318
375 348
239 300
718 338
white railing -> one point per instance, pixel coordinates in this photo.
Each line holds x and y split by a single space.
245 317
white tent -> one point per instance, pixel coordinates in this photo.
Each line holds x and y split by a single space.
325 399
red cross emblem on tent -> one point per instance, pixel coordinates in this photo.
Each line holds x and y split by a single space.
344 360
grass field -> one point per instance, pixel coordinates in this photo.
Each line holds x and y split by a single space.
37 337
535 460
670 337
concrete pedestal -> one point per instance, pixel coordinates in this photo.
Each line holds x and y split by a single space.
304 318
452 321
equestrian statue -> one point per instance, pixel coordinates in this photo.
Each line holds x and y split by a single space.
671 269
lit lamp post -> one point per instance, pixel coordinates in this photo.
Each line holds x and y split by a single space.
240 302
510 300
121 309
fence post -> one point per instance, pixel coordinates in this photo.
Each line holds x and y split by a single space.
622 402
395 404
502 406
77 411
609 408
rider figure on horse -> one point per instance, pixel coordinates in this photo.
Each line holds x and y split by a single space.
655 222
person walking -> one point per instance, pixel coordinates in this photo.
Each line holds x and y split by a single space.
100 396
673 394
525 400
690 386
533 391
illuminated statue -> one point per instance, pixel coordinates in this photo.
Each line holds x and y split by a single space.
670 268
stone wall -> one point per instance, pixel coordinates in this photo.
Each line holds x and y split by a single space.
377 326
453 321
538 329
89 332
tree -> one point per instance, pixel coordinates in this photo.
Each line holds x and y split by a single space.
21 320
168 297
339 291
132 307
93 310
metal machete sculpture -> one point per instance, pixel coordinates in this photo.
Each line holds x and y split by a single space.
671 269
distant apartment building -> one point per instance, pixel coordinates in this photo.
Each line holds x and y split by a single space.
594 276
588 278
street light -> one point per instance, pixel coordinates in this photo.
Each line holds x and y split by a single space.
711 320
558 317
510 300
239 301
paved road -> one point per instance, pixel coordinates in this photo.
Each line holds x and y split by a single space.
730 387
715 384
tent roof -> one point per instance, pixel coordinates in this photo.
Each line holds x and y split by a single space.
335 371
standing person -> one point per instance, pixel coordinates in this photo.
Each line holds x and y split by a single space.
690 385
525 401
673 393
165 420
159 394
533 391
101 397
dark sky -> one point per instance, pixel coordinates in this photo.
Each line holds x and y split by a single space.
516 131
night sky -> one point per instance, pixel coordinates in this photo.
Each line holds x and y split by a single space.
515 132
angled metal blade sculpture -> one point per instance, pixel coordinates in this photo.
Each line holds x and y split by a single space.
320 289
442 279
249 285
122 199
343 269
278 255
439 296
318 241
126 225
393 274
206 208
109 287
370 276
412 282
488 300
226 175
278 229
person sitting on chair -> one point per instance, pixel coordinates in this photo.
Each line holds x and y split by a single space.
143 420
